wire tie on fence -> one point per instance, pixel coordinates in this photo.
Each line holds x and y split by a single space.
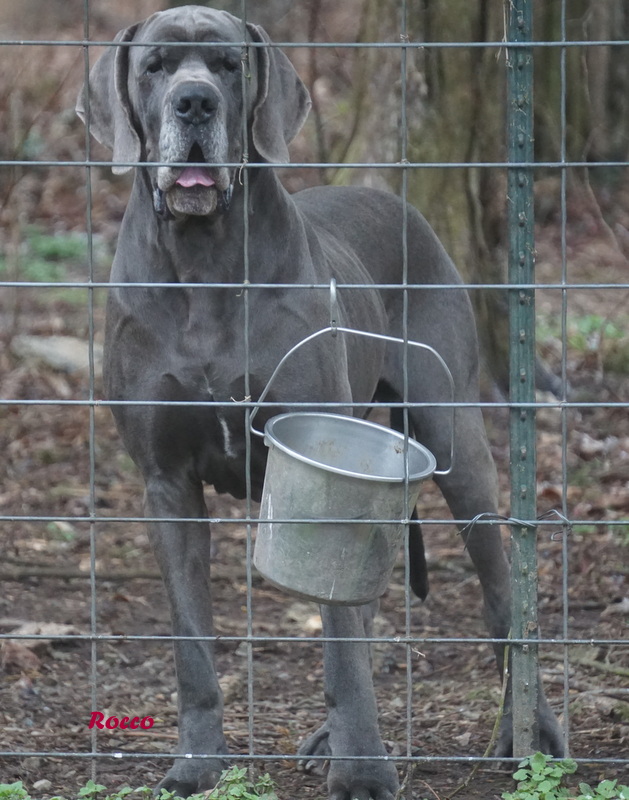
334 307
245 399
244 60
243 164
521 523
245 283
489 516
466 531
567 525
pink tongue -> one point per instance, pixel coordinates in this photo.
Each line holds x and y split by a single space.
195 176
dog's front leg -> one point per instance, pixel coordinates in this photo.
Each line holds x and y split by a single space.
182 550
351 728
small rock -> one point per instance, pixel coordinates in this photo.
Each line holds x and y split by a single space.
464 739
42 786
64 353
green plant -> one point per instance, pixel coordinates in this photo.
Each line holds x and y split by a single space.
234 784
92 789
51 258
45 257
583 332
594 325
541 778
584 530
56 247
13 791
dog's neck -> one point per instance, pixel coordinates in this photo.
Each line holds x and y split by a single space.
214 247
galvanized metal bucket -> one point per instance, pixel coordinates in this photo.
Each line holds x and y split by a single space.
337 492
361 480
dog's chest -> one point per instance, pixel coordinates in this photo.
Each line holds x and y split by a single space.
201 423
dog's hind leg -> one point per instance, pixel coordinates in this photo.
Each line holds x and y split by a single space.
470 490
182 550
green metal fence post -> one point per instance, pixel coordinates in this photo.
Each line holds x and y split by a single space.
524 663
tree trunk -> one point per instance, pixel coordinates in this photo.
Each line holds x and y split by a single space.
466 123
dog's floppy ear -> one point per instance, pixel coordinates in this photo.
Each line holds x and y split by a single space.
282 103
109 107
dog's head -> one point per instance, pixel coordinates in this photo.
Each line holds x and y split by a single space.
161 94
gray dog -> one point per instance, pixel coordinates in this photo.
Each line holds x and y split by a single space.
197 105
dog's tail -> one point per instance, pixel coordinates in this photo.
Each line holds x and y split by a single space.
417 560
416 553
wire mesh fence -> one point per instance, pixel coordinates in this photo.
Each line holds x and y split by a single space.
85 627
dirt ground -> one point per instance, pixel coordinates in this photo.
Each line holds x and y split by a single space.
45 691
48 691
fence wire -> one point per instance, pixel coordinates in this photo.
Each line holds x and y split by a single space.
249 638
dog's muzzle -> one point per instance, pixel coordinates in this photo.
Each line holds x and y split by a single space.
201 187
168 208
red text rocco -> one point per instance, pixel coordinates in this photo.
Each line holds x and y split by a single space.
97 717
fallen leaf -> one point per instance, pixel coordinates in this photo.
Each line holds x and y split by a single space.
301 615
588 447
550 492
16 657
622 607
52 629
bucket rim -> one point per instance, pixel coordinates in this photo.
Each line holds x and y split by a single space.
413 477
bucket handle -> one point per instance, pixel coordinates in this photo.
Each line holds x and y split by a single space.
334 329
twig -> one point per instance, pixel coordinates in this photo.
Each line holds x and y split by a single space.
622 672
430 789
71 574
496 728
20 140
404 783
595 208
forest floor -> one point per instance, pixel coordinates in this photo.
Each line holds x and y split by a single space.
45 690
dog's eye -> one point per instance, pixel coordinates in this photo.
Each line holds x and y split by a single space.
154 66
230 64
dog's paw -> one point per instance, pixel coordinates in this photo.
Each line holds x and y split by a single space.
362 780
317 744
188 777
348 780
551 740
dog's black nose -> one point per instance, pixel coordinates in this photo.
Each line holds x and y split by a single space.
194 103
